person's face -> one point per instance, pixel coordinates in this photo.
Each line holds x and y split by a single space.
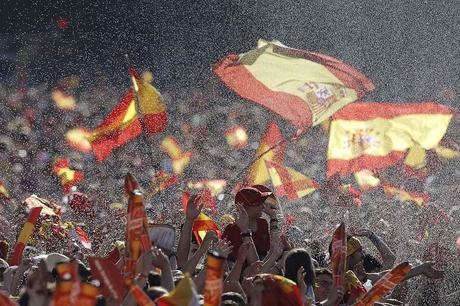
254 211
324 285
354 258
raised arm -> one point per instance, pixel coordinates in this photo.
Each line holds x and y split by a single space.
388 257
191 212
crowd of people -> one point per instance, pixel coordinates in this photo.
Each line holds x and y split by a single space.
271 246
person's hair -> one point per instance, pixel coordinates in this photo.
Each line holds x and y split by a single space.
234 297
320 271
330 245
371 264
154 279
156 292
295 259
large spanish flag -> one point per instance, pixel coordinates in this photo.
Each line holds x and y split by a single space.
377 135
258 173
303 87
151 104
119 127
290 183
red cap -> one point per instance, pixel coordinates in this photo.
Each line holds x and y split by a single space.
251 196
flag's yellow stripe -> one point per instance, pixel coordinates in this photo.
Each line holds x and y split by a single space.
378 137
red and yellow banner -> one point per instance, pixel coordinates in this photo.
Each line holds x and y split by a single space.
180 160
339 256
290 183
67 176
184 294
258 173
119 127
366 179
377 135
421 199
108 274
201 225
78 139
24 236
303 87
151 104
384 285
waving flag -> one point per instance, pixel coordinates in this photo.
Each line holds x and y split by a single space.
366 179
83 237
339 256
163 181
377 135
151 104
183 295
303 87
215 186
119 127
384 285
421 199
180 160
78 139
290 183
24 236
203 224
258 173
67 176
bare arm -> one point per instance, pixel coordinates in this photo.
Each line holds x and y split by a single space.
191 263
388 257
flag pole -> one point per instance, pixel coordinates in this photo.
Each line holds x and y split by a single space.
297 135
147 149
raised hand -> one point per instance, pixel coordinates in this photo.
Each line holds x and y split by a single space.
301 281
194 206
362 232
211 237
223 247
159 259
430 272
243 219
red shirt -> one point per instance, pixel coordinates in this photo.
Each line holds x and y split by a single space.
261 238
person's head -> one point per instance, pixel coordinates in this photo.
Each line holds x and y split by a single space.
252 200
295 259
371 264
323 283
156 292
355 252
154 279
234 297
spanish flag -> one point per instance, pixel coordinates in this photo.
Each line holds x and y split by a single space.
421 199
303 87
4 194
119 127
290 183
78 139
377 135
24 236
151 104
67 176
215 186
258 173
163 181
201 225
447 150
415 163
180 160
63 101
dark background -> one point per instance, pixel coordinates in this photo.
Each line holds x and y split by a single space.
410 49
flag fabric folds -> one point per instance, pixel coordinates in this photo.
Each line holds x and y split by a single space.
67 176
78 139
421 199
183 295
201 225
290 183
366 179
377 135
119 127
24 236
151 104
258 173
303 87
180 160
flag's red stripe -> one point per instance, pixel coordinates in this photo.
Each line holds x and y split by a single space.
363 111
237 77
362 162
155 123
